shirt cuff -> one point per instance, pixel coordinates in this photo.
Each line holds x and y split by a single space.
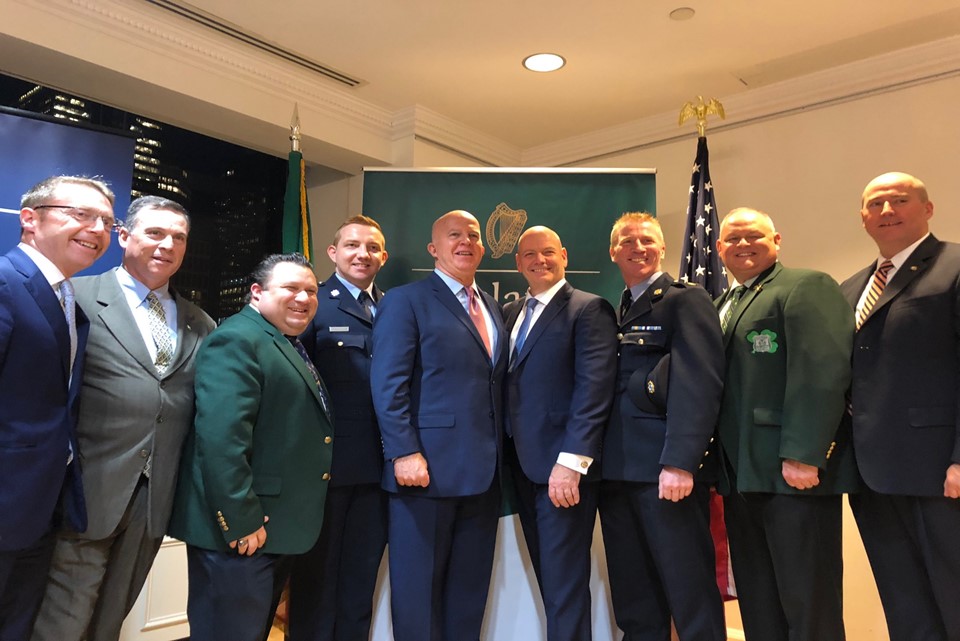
575 462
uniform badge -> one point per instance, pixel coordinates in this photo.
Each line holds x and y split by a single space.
764 342
651 388
334 293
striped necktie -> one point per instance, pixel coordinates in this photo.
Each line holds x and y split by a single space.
876 288
68 300
735 296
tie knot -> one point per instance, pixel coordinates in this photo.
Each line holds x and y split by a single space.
531 304
885 267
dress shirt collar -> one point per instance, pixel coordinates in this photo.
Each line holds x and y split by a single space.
455 285
637 290
547 296
353 289
136 292
900 257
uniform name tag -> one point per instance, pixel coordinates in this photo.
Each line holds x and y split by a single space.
338 328
646 328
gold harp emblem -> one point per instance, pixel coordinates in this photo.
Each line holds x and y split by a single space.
510 222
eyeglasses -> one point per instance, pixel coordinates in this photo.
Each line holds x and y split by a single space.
85 216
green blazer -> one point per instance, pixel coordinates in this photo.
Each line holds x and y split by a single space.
261 443
788 347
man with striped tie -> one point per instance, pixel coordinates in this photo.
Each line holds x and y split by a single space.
787 337
904 409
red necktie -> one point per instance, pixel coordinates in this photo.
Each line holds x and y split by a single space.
476 315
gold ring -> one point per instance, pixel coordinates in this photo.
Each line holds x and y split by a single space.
242 542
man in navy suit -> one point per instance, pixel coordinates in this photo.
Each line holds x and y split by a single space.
560 383
654 494
904 400
439 354
332 586
65 226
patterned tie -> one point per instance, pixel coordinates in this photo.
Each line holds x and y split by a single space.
161 333
321 388
70 312
876 288
476 315
524 328
367 304
626 301
735 297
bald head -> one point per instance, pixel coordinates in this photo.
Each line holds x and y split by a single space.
748 243
895 211
541 258
456 245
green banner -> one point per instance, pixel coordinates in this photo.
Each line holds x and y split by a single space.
579 204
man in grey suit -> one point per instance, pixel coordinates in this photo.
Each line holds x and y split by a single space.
136 406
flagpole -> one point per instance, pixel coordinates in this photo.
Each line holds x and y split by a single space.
701 265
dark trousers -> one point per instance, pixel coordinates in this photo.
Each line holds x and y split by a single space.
661 562
441 557
787 558
913 544
558 540
233 597
332 585
23 576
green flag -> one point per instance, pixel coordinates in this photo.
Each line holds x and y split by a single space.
296 211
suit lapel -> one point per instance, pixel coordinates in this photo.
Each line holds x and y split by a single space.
644 303
452 303
40 290
911 268
550 312
749 296
119 321
187 338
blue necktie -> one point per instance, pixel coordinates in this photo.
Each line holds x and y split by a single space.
321 388
70 312
524 328
367 304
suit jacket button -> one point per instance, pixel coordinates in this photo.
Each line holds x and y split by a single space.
619 337
339 343
326 476
328 439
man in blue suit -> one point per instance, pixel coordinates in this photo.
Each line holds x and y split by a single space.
332 586
65 226
439 354
560 383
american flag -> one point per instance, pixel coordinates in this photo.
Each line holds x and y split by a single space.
700 262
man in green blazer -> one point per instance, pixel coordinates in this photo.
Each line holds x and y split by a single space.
787 336
255 469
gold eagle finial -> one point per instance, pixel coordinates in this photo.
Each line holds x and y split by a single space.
701 110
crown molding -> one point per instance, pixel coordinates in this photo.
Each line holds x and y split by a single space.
142 41
888 72
430 126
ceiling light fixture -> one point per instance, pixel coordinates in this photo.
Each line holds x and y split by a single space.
544 62
683 13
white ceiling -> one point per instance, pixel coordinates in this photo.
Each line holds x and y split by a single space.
626 59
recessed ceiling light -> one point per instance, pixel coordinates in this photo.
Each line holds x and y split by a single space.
683 13
544 62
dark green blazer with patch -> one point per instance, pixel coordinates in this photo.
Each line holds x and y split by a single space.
788 347
261 443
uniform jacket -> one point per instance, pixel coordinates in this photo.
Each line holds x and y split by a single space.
672 319
340 341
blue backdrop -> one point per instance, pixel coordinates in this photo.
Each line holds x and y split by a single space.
33 148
